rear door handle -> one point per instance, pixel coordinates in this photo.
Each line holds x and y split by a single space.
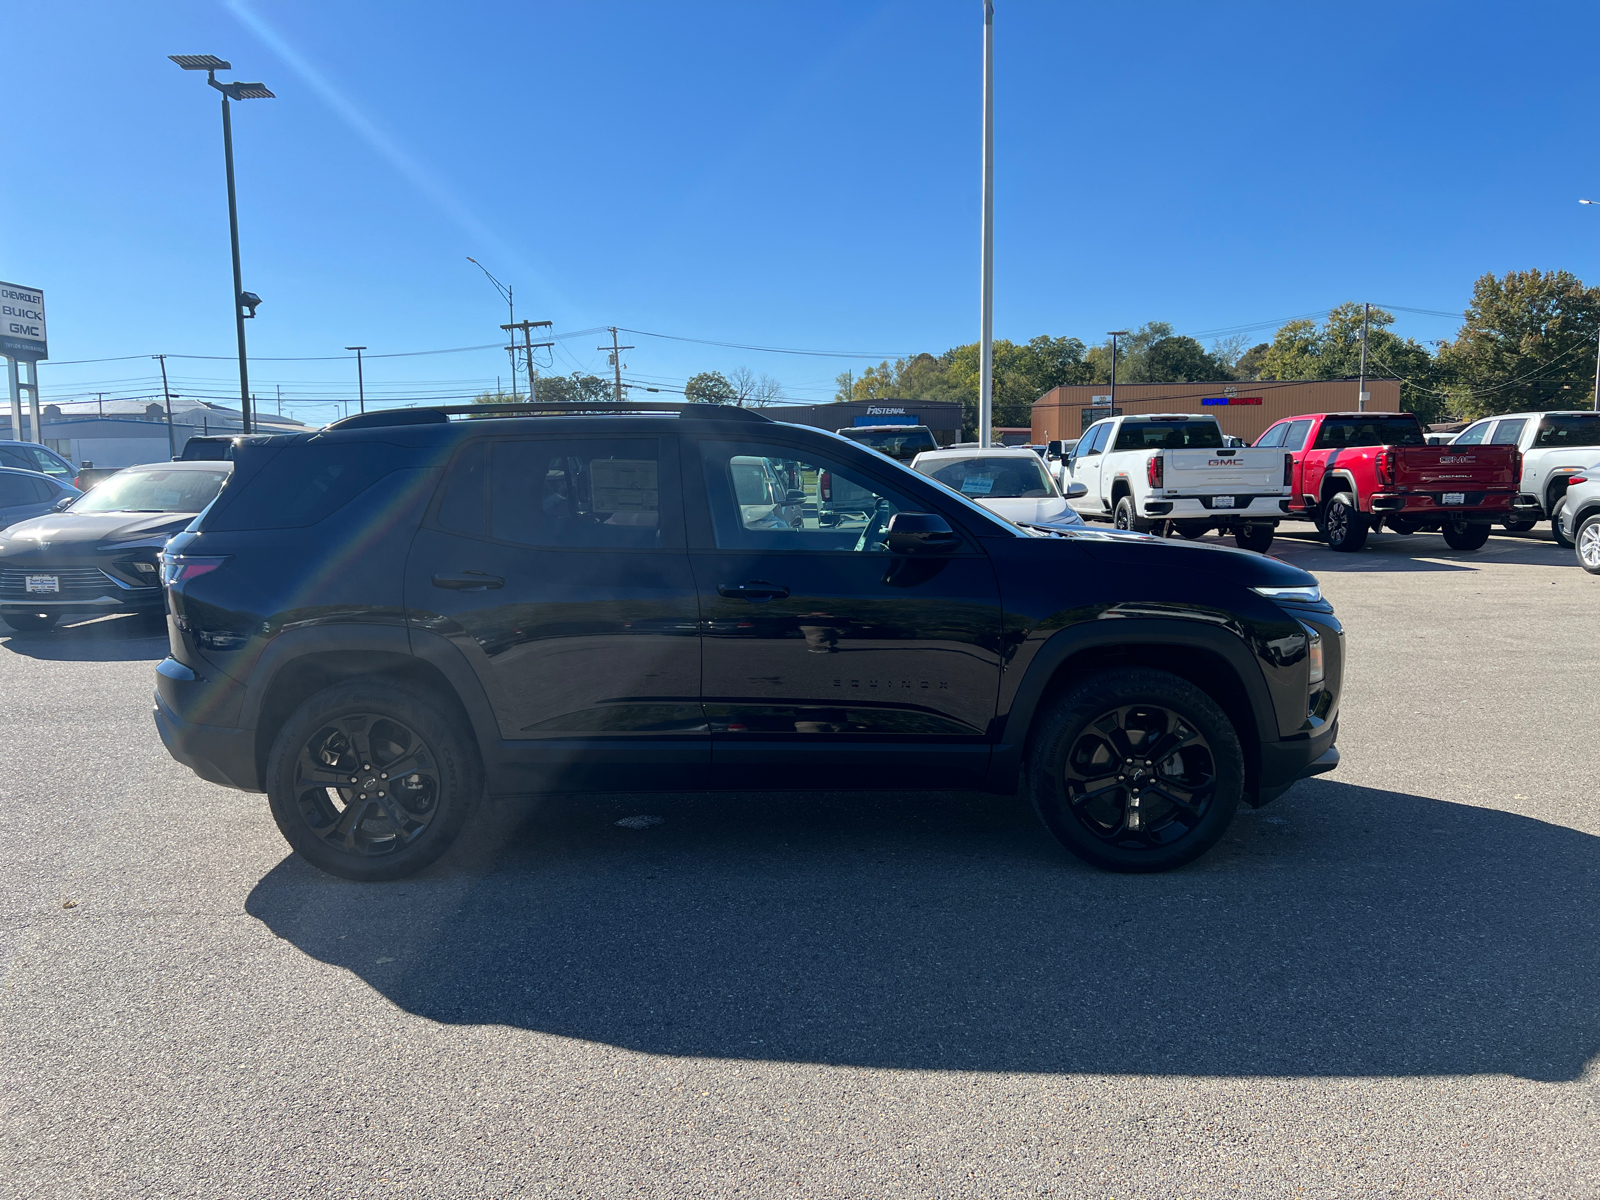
756 589
469 581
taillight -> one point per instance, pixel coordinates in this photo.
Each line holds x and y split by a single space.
824 486
1384 465
1516 465
1576 479
184 568
1288 470
1156 471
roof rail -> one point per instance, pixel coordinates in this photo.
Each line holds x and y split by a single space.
439 414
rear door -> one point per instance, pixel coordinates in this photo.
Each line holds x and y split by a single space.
556 566
826 658
22 497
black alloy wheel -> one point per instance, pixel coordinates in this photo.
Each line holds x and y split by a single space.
32 622
1521 525
372 780
1345 525
1253 536
1126 518
1192 530
1399 525
1136 770
1464 535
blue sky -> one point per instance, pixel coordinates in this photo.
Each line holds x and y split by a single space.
769 174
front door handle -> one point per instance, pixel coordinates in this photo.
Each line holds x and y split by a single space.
469 581
756 589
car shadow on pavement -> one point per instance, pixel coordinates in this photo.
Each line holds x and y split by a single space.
1422 552
121 638
1340 931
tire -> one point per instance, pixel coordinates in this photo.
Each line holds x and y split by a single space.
1346 525
1556 514
1253 537
1463 535
1126 518
31 622
1192 530
1587 545
363 836
1078 741
1404 528
1521 525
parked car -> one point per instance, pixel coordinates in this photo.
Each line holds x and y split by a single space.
30 456
1056 453
1554 446
25 494
207 447
1356 472
900 442
1577 519
763 496
379 623
101 553
1143 471
1010 481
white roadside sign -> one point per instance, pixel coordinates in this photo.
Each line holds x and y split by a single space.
22 322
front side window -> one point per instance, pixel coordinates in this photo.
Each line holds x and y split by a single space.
770 497
594 493
1090 444
1273 436
1473 435
1295 439
1507 433
1568 429
992 477
1169 435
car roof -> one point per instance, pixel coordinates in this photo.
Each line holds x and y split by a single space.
28 474
195 465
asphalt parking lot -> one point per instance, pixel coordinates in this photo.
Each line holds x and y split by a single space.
1385 983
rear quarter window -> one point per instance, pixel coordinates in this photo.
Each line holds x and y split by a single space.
307 483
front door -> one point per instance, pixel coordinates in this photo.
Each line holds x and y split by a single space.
825 657
556 566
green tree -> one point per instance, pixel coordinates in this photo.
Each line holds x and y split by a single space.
556 389
1527 342
710 387
1182 360
1304 350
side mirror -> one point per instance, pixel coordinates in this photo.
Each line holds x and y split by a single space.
1076 489
920 533
61 504
794 496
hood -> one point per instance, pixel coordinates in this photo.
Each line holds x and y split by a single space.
87 529
1244 567
1043 511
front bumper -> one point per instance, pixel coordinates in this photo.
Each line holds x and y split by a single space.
1285 763
219 753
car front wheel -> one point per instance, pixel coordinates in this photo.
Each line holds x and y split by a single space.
1253 537
1556 516
1136 770
372 779
1464 535
31 622
1588 545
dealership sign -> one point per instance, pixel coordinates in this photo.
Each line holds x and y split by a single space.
22 322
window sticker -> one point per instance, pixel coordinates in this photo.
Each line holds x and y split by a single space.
623 485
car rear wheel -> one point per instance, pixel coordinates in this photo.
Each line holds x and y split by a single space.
1464 535
31 622
1193 530
1127 518
1136 770
372 779
1556 515
1345 524
1253 537
1588 545
1521 525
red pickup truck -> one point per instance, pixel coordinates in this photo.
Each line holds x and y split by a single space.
1355 473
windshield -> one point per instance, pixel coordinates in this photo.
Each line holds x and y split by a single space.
1339 432
153 491
1169 435
1568 429
903 444
992 477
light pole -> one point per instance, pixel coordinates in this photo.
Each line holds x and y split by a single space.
511 317
361 383
986 301
1114 334
211 64
1597 351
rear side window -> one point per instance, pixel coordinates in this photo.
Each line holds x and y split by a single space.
1338 433
1169 435
1568 429
593 493
17 489
305 484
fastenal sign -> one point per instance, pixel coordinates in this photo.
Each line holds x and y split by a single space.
22 322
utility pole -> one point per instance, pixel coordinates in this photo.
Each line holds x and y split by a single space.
361 383
986 301
100 400
172 441
1597 376
528 345
506 291
280 399
616 359
1361 395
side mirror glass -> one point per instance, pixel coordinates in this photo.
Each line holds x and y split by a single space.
920 533
61 504
794 496
1076 489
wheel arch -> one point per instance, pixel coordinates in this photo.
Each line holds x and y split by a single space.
1335 482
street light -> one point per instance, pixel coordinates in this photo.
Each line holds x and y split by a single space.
361 384
211 64
506 294
1597 349
1114 334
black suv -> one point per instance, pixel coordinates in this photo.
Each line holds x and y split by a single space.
378 624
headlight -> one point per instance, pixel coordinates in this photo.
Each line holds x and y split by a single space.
1305 595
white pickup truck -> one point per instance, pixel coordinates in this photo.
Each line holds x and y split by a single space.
1554 445
1174 470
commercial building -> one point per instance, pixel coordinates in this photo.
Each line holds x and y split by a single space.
125 433
942 417
1242 409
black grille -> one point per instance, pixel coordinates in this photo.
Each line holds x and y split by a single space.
77 583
